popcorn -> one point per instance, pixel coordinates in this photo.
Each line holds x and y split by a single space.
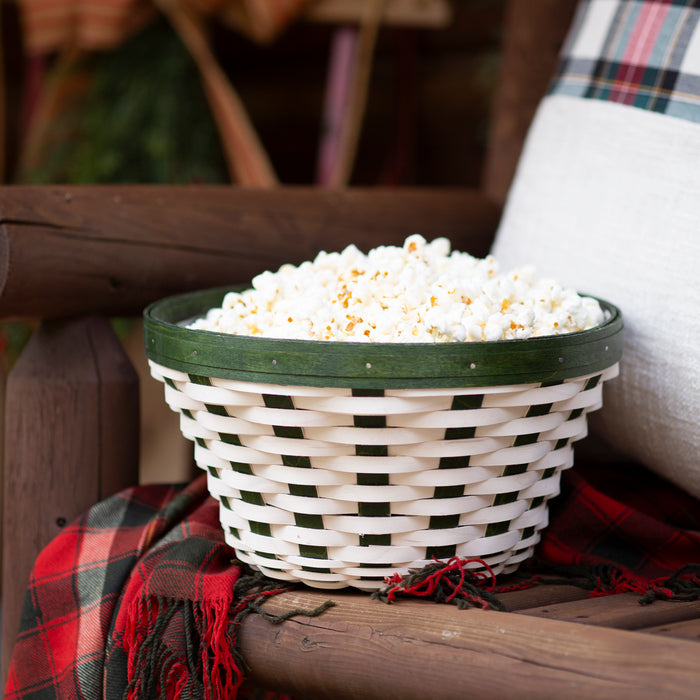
418 293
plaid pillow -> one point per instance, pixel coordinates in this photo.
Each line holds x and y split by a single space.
643 54
607 199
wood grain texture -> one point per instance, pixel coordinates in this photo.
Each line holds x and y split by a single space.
71 388
114 249
533 34
621 611
364 649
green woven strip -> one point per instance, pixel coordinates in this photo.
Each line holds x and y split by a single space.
200 441
443 522
466 402
528 532
296 461
372 450
311 551
536 502
454 462
368 392
217 410
252 497
503 498
459 433
260 528
513 469
288 431
266 555
313 521
373 479
548 472
593 382
170 383
187 412
575 414
561 442
199 379
241 468
446 551
528 439
225 502
316 569
374 510
306 490
278 401
230 439
494 529
448 491
540 409
368 540
369 421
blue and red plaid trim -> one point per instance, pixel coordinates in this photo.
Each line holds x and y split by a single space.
642 53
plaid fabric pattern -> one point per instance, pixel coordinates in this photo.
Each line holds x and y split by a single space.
643 53
623 516
78 583
96 590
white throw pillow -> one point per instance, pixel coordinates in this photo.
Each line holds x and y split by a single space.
606 198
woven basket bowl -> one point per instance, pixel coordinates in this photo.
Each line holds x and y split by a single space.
339 464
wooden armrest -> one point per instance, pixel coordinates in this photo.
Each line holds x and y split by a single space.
363 648
114 249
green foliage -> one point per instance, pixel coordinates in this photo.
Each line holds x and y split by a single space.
143 119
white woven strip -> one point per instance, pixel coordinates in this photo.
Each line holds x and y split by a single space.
469 418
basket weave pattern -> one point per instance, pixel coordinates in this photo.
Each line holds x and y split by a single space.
342 487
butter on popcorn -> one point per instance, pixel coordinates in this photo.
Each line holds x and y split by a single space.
418 293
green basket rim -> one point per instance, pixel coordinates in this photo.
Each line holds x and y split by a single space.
546 359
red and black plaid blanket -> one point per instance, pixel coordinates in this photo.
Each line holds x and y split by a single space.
141 598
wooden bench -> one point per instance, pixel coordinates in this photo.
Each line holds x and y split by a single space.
72 438
72 256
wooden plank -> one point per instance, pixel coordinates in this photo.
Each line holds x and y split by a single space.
428 14
620 611
415 649
68 389
689 629
114 249
533 34
540 595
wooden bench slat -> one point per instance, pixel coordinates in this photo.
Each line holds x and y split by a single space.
620 611
114 249
540 595
415 649
71 439
689 629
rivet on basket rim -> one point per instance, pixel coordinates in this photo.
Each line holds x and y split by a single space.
274 362
368 365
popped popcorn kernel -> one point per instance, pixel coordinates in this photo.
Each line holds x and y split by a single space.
419 292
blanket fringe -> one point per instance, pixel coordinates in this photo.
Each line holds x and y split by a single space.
212 667
455 582
472 583
607 579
